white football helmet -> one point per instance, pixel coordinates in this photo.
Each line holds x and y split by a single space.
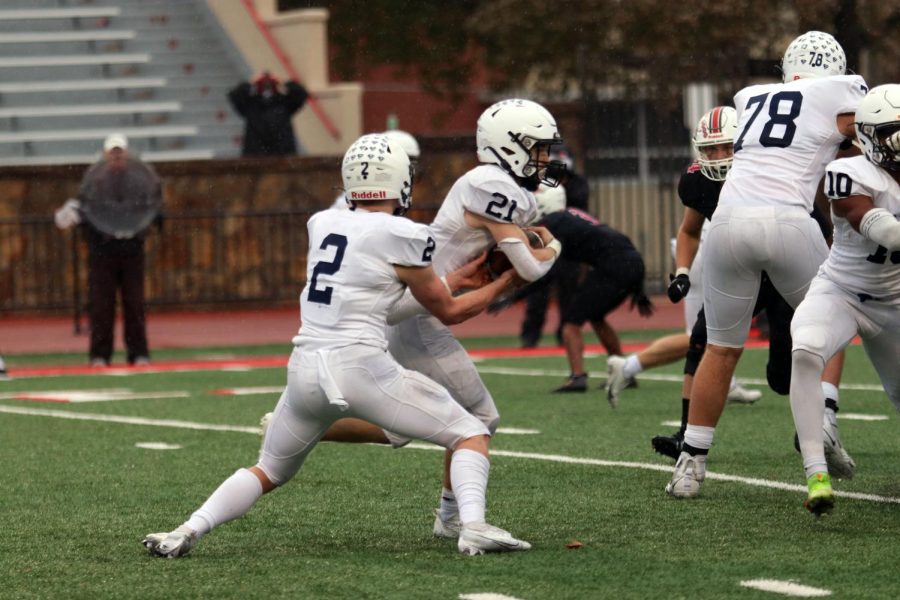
406 141
511 134
813 54
878 126
717 126
375 168
549 200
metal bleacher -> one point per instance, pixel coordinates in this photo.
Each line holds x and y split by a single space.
73 71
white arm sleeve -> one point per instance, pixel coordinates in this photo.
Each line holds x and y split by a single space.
523 261
881 227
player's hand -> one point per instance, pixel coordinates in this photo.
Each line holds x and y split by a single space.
679 285
471 275
543 233
642 303
68 215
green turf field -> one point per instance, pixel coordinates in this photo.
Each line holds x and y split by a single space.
77 496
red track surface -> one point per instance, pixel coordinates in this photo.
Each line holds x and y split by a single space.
236 328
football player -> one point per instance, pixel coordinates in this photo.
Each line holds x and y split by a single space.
788 133
857 289
360 262
615 273
409 145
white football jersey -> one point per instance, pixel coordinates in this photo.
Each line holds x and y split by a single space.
855 263
488 191
786 136
351 284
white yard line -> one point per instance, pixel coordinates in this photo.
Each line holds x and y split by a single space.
786 588
573 460
486 596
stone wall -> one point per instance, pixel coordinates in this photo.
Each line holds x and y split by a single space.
234 230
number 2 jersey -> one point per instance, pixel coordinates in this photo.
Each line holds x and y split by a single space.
351 284
487 191
786 136
855 263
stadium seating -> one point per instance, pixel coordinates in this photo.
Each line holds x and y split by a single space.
72 71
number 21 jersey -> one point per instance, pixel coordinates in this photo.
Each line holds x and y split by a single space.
489 192
786 136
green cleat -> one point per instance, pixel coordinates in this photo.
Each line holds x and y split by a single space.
820 500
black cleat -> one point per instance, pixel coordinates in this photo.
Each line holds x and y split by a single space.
576 383
669 445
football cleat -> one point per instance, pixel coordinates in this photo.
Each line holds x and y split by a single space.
616 380
669 445
820 500
446 529
690 471
171 545
741 395
478 538
576 383
839 462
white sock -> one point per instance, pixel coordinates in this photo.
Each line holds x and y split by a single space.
632 366
469 475
808 408
231 500
734 383
449 508
830 390
699 437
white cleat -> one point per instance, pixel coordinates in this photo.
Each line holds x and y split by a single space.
690 471
840 464
741 395
264 423
446 529
171 545
478 538
615 380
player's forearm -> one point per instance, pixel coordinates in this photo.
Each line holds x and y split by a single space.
881 227
472 303
530 264
686 248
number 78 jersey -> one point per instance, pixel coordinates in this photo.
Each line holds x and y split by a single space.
786 136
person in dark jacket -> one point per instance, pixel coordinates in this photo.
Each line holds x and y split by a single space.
267 108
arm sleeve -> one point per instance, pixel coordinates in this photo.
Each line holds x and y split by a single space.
296 96
238 96
523 261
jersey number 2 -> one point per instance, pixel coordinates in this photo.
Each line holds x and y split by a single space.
327 268
786 120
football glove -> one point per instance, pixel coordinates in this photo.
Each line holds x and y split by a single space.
679 285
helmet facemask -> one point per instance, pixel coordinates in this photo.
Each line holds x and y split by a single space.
878 145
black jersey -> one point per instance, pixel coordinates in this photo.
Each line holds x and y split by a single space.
585 240
698 191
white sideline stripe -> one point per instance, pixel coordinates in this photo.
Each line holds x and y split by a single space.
77 416
78 396
486 596
862 387
157 446
671 423
777 485
788 588
861 417
517 431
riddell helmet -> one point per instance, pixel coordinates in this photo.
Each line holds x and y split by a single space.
511 132
878 124
717 126
813 54
549 200
375 168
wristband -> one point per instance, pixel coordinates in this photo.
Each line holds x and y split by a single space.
682 271
555 246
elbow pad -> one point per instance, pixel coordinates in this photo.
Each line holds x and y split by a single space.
881 227
523 261
405 308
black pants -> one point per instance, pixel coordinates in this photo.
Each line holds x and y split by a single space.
780 313
109 273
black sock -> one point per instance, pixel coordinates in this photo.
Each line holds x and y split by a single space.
685 405
832 404
695 451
